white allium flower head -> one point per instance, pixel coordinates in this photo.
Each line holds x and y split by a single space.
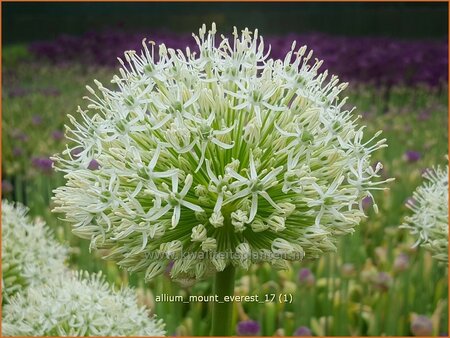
30 253
76 304
429 220
221 156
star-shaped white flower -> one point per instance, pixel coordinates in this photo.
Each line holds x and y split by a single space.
255 186
175 200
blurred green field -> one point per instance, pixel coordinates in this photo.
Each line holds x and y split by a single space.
374 285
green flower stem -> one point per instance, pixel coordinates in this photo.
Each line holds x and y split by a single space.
222 310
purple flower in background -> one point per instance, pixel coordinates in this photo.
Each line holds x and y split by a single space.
407 128
43 163
348 270
7 187
75 152
306 277
19 135
421 326
36 120
57 135
423 116
169 268
401 262
17 151
367 202
303 331
382 281
17 92
248 328
50 92
381 61
412 156
93 165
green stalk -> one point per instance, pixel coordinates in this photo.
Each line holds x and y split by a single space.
223 311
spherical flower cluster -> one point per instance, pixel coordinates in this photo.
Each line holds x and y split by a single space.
303 331
248 328
429 221
216 157
78 305
30 254
421 326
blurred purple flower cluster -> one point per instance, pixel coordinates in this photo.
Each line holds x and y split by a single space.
248 328
43 164
18 91
362 59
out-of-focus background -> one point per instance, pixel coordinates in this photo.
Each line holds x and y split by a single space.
395 56
28 22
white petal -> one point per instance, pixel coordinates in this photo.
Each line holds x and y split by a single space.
254 207
162 122
221 144
253 173
168 173
187 184
202 157
219 202
192 99
235 175
240 106
191 206
175 183
159 213
272 175
266 196
211 175
284 133
239 194
155 158
176 215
